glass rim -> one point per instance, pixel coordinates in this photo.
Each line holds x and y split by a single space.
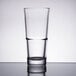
37 8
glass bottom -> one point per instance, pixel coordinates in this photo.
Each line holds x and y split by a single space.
36 60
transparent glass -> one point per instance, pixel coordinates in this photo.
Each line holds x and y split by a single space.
36 28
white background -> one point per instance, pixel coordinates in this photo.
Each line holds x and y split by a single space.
61 36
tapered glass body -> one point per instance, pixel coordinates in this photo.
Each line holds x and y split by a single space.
36 28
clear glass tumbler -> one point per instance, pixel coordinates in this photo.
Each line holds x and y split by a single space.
36 28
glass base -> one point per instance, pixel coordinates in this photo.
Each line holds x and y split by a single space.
36 60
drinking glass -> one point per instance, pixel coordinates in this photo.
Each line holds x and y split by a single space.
36 28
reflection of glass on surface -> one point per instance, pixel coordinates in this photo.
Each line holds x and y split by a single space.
53 69
36 68
36 74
